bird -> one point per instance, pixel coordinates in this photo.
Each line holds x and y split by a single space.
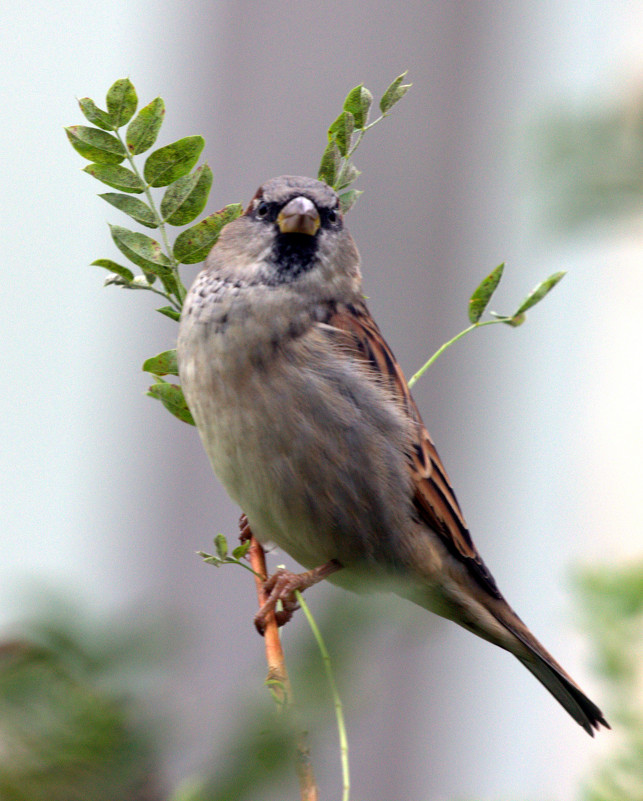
310 426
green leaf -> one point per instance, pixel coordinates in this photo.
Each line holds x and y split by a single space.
209 559
121 102
358 102
136 209
171 396
193 245
117 280
241 550
118 269
538 293
141 250
330 162
171 312
95 114
144 128
395 92
117 176
481 297
186 198
221 545
95 145
348 199
341 130
162 364
173 161
349 174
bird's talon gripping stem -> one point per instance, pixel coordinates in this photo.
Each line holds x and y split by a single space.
244 529
281 586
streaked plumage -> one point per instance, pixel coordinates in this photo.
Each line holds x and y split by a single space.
310 425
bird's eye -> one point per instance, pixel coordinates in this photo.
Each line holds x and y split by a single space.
332 216
262 209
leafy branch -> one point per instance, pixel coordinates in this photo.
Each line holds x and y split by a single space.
478 303
223 557
182 202
345 135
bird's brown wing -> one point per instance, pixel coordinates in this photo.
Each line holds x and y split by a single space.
434 498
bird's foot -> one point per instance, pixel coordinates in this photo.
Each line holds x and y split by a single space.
244 528
281 586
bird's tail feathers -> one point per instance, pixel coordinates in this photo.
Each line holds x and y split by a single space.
565 691
494 620
552 676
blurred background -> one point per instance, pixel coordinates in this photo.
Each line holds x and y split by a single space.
520 141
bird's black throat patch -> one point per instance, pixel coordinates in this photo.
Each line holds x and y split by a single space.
292 255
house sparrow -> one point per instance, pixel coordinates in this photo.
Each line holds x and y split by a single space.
311 428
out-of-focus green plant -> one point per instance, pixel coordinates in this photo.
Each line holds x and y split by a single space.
65 733
589 162
612 603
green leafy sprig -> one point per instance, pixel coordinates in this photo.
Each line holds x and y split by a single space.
478 303
345 135
223 557
185 196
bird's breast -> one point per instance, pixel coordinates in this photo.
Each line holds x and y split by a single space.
310 449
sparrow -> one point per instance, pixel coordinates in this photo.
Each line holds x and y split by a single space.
311 428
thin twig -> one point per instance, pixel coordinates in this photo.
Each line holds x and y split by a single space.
448 344
278 679
337 702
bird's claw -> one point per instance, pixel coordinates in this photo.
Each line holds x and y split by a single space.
244 529
282 585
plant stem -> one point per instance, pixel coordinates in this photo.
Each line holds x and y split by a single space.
181 291
441 349
278 679
337 702
355 144
170 298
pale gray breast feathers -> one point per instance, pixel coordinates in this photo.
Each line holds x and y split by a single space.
308 444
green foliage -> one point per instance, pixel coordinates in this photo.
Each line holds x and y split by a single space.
132 206
185 198
186 195
145 127
116 176
346 132
481 297
588 160
169 163
612 603
96 145
478 303
121 102
221 555
537 294
162 364
193 245
70 729
171 396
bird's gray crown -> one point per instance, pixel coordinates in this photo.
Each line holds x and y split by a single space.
280 190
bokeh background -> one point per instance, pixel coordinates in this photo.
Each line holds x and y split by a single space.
520 141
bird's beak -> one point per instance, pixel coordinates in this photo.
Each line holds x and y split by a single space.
299 216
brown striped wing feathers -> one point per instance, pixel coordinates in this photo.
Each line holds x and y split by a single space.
434 498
